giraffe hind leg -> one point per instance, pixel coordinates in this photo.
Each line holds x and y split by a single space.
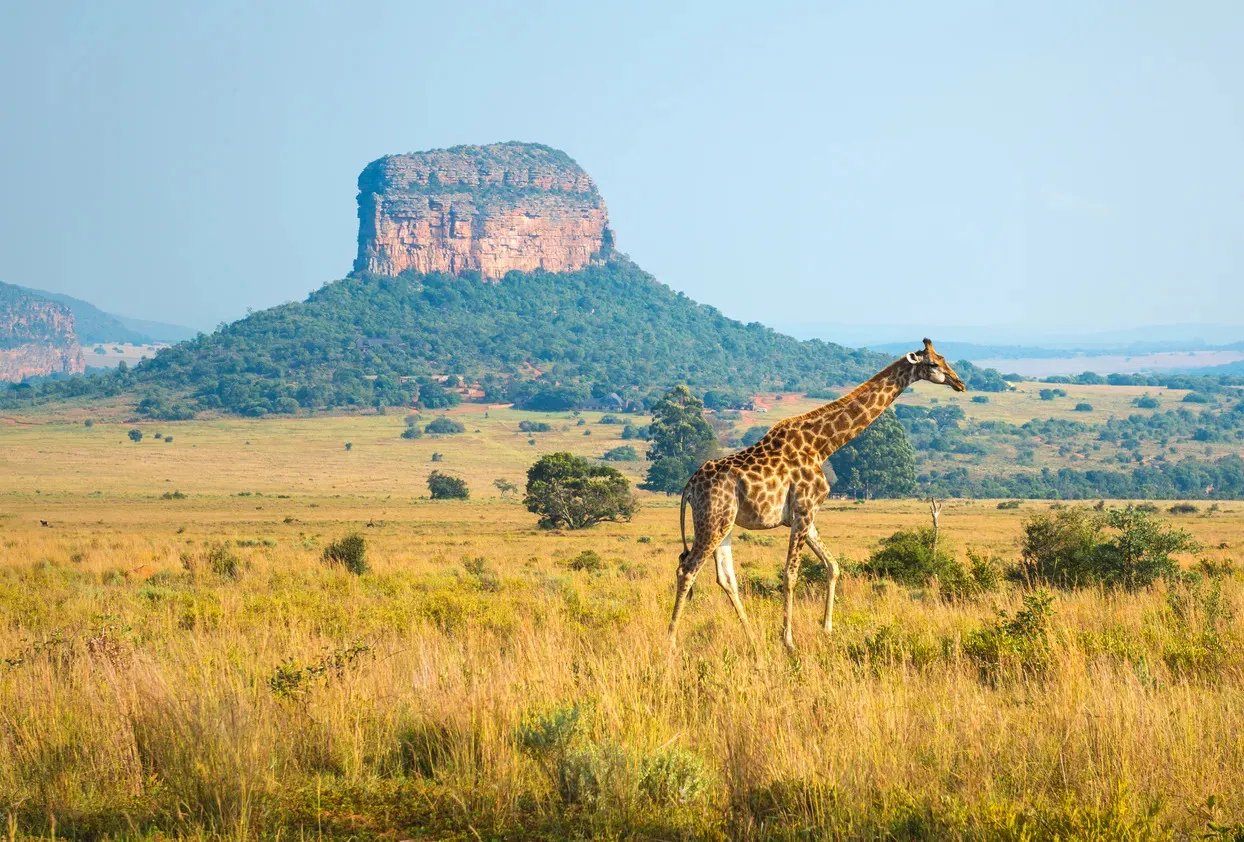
689 564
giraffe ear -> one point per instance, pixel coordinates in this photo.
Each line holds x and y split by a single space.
912 358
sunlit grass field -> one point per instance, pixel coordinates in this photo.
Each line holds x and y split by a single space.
189 666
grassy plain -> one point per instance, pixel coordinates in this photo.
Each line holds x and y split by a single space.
189 667
53 449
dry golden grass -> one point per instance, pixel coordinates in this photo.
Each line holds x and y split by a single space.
143 693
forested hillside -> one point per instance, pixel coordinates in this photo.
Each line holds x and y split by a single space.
370 340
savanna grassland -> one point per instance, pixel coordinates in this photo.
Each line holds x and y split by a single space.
177 659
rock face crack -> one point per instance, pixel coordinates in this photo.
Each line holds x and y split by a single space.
487 209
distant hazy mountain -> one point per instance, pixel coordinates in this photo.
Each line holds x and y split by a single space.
972 351
993 342
94 325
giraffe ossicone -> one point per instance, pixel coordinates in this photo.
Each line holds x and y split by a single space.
778 481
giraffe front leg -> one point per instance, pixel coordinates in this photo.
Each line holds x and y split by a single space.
798 534
831 577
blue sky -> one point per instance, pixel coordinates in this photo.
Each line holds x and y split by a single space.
1059 167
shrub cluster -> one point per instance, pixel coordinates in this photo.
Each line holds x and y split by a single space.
1076 547
909 557
586 772
349 552
447 487
444 426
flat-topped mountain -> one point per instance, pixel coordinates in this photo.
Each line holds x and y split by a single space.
489 209
37 337
494 264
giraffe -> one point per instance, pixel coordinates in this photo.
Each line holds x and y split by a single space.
779 481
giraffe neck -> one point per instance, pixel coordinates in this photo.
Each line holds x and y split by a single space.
834 424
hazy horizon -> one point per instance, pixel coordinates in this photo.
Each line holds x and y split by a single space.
1055 171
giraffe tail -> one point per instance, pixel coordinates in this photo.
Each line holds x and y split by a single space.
682 526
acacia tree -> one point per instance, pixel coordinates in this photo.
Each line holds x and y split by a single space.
568 491
682 440
879 462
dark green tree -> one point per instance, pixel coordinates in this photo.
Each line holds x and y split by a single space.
879 462
135 435
682 440
568 491
447 487
445 426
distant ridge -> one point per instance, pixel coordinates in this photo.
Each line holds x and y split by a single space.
94 325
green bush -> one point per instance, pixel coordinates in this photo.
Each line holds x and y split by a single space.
592 773
135 435
412 432
630 432
892 645
552 732
907 557
1009 504
588 560
673 775
349 552
216 559
1203 642
1183 509
447 487
1084 407
1127 548
222 562
1014 646
625 453
535 426
444 426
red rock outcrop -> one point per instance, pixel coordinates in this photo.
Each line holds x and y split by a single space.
488 209
37 337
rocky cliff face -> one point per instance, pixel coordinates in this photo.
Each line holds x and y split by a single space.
36 337
489 209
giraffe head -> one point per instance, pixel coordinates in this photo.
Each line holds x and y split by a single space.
932 366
